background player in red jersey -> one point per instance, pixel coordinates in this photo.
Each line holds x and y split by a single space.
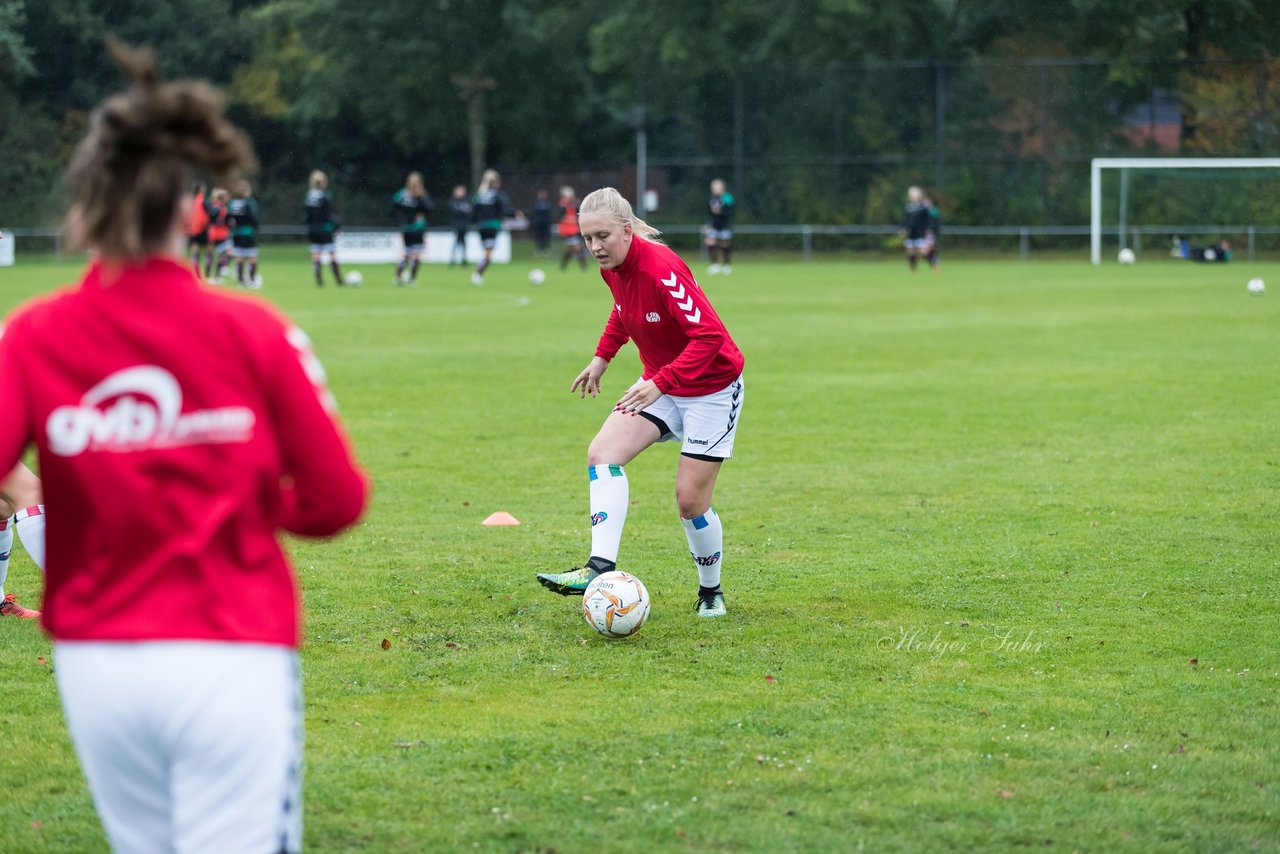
180 434
570 236
219 234
198 226
691 392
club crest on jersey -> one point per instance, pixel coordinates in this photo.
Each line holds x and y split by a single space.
653 317
140 409
598 517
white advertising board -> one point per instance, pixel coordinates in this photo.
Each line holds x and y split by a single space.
386 247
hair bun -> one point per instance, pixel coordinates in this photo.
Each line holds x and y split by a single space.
139 63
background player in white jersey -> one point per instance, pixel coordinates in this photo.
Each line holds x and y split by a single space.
691 392
22 506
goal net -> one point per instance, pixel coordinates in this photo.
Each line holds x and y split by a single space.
1192 196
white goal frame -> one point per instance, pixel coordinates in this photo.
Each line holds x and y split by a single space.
1099 163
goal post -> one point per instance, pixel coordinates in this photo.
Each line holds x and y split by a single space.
1123 163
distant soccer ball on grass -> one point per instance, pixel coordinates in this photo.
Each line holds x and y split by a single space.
354 278
537 277
1127 256
615 604
1257 287
1210 255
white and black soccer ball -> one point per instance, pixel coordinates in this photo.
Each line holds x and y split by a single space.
615 604
536 276
1257 287
354 278
1127 256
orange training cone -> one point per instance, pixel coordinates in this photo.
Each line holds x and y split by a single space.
502 517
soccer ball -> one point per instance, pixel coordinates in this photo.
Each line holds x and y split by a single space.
537 277
615 604
1210 255
1127 256
354 278
1256 287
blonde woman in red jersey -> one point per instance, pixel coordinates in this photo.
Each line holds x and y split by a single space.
180 434
691 392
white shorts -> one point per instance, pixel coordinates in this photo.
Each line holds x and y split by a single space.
723 235
917 242
321 248
223 246
192 746
244 252
705 425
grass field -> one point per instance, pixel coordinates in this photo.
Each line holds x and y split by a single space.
1001 565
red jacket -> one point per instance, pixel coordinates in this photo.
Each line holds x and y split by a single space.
683 346
178 429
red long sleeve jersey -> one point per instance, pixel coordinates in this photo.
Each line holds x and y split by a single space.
178 429
684 347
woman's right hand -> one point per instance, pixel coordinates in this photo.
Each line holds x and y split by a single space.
588 382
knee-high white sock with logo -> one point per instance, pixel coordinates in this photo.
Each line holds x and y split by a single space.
610 494
706 544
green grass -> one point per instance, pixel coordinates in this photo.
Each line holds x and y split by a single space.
979 526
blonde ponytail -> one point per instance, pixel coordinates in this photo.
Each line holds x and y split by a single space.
609 202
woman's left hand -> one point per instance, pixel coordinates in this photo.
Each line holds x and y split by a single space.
638 397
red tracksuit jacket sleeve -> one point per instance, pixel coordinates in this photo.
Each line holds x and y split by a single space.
614 336
324 489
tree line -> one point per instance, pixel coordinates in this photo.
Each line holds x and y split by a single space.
822 109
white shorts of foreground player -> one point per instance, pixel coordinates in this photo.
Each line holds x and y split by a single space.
191 744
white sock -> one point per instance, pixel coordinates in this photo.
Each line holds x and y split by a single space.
6 546
610 494
706 544
30 525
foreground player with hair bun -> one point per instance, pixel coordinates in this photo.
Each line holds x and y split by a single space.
179 434
691 391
